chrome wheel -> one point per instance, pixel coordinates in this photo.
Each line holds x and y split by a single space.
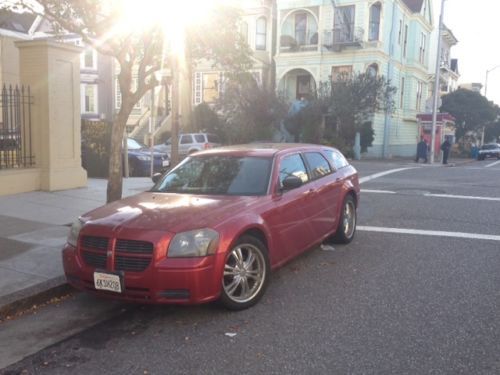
349 218
246 273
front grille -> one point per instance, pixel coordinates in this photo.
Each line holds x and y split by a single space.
134 264
94 259
97 243
132 246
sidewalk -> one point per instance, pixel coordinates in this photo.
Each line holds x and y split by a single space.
33 230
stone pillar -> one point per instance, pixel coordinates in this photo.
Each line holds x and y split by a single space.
52 70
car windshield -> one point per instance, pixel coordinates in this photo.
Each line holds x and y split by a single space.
218 174
132 144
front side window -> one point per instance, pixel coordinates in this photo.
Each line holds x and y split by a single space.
318 164
293 165
261 34
186 139
219 175
337 159
374 29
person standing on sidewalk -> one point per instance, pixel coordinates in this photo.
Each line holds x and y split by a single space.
445 147
422 149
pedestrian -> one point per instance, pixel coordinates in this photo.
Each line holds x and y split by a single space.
445 147
422 149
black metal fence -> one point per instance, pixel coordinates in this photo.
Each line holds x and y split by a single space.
15 128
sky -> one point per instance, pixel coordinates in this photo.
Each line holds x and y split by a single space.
476 25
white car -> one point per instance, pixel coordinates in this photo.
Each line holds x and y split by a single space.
489 150
190 142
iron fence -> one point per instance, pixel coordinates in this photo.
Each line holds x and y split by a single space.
15 128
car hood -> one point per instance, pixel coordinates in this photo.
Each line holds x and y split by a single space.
169 212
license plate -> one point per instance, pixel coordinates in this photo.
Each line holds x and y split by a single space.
165 163
107 281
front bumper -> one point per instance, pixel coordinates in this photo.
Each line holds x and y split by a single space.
164 281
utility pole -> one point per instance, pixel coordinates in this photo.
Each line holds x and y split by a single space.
436 85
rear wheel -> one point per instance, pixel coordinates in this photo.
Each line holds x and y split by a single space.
246 274
347 223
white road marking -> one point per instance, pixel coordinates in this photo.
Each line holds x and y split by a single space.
378 191
377 175
475 198
436 233
492 164
463 197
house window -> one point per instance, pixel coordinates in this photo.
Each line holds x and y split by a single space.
118 94
261 34
88 59
340 73
210 89
421 55
405 41
372 70
420 90
400 31
244 31
303 87
343 24
374 29
300 28
402 93
89 98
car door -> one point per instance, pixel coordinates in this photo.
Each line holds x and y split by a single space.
323 195
292 232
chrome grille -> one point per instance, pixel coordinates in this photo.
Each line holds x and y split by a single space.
94 259
134 264
132 246
93 242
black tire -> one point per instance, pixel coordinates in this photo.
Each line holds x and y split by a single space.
346 228
245 275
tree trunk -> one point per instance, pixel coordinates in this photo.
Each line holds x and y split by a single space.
115 177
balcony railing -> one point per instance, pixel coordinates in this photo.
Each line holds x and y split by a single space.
300 42
340 37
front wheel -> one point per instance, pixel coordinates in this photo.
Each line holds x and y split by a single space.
246 274
347 223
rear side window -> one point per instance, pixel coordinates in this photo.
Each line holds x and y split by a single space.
293 165
338 160
199 138
318 164
213 138
185 139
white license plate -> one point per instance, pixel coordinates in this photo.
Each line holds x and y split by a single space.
107 281
165 163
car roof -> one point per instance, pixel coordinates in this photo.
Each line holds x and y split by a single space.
261 149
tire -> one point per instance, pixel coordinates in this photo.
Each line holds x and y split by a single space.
246 274
346 228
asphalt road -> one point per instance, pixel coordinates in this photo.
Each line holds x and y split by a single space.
422 301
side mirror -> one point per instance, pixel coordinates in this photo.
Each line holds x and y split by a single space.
156 177
291 182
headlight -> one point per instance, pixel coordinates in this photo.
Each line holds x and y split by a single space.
75 231
195 243
144 157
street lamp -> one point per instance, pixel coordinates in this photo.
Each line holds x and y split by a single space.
436 85
486 93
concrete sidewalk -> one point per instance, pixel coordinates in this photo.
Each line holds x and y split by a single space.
33 230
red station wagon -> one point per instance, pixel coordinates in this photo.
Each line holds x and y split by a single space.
215 226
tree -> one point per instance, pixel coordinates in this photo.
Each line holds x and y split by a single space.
354 101
140 51
249 112
205 120
472 111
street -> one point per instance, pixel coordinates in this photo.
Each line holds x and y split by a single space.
417 291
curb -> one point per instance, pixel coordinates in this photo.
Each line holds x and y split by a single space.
34 295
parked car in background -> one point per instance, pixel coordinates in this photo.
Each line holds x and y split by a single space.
215 226
190 142
139 159
489 150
